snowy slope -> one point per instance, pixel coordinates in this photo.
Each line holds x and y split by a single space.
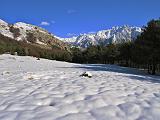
31 34
33 89
4 29
23 27
114 35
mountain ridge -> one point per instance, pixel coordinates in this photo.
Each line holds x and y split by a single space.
118 34
115 35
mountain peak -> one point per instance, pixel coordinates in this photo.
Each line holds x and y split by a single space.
117 34
21 31
3 22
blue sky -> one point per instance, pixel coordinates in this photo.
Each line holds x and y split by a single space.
68 17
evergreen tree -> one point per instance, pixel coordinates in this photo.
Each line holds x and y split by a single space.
148 46
112 53
125 55
77 55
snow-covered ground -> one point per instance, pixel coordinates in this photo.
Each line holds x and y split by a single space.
33 89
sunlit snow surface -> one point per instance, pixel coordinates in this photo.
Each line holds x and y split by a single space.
33 89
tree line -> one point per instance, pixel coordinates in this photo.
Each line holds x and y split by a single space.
144 52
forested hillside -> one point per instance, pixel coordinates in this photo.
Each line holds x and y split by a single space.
8 45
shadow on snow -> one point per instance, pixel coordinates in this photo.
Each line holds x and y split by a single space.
131 73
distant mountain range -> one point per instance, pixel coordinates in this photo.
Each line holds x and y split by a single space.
114 35
33 34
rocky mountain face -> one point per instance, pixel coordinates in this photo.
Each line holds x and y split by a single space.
31 34
114 35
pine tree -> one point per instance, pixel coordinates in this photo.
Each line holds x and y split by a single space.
148 46
125 50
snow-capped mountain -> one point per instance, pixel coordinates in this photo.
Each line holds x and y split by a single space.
5 29
20 31
114 35
29 33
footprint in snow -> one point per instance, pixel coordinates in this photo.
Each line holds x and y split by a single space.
157 94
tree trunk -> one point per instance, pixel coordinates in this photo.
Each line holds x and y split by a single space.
148 67
153 69
127 63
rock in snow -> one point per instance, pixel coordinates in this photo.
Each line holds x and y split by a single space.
53 90
87 74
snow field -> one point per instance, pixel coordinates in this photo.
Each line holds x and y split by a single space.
52 90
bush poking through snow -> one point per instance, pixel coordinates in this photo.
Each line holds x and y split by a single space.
86 74
38 58
30 78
